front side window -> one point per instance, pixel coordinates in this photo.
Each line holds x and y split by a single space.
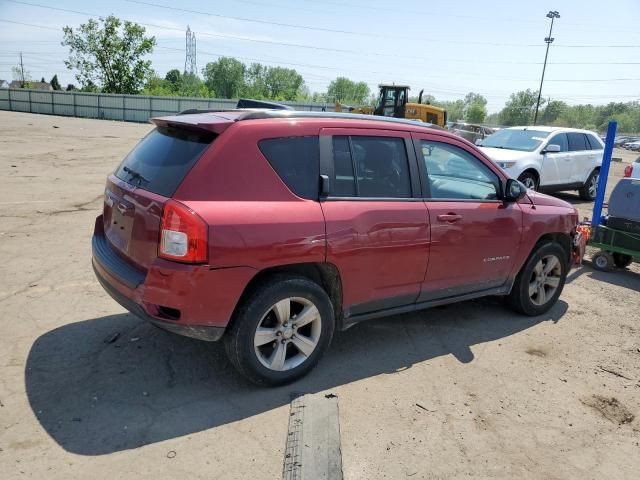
370 167
560 140
453 173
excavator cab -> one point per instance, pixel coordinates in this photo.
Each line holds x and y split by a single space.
392 101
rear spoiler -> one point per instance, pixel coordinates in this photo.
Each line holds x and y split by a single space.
249 103
209 123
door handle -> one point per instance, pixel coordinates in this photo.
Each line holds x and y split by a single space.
449 217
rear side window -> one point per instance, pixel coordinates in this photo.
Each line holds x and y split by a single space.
163 158
577 141
379 167
296 160
595 144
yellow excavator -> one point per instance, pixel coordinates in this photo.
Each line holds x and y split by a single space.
393 101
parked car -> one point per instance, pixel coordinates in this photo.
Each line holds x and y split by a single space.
633 146
470 132
272 229
548 158
633 170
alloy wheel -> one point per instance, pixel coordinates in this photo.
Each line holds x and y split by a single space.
593 185
529 182
287 334
545 280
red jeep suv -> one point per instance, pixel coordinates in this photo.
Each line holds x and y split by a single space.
272 229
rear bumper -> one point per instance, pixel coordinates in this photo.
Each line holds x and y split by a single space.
191 300
201 332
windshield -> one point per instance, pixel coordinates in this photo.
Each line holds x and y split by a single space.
522 140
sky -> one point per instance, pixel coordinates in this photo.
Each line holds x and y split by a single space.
492 47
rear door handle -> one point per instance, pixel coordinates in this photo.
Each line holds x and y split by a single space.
449 217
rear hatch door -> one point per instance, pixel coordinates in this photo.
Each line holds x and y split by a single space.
137 191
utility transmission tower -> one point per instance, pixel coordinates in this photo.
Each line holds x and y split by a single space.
190 57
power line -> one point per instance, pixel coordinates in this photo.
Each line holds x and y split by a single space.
448 41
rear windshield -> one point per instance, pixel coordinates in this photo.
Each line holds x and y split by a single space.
522 140
162 159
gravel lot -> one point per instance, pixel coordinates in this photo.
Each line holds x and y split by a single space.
470 390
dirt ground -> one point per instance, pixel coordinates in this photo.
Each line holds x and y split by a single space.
470 390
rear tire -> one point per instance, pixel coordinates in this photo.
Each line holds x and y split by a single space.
590 188
265 345
540 281
622 260
529 180
603 261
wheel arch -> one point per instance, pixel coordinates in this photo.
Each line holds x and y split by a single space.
561 238
533 171
323 273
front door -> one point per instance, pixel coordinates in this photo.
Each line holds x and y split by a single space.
557 167
376 223
474 235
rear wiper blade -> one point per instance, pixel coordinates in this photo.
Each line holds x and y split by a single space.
135 174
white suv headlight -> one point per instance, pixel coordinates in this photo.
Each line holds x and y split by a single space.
506 164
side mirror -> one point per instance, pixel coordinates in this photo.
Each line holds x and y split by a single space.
478 142
514 190
551 148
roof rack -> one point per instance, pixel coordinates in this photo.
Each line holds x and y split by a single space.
266 113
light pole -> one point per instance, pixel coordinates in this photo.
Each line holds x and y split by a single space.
553 14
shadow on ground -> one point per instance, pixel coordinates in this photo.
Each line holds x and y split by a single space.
95 398
620 277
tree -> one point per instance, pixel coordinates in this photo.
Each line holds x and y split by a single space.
22 75
71 87
282 83
519 108
454 108
226 77
174 77
55 84
109 54
475 108
344 90
553 110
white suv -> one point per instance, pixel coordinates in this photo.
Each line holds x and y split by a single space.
548 158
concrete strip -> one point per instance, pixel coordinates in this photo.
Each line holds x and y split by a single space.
313 439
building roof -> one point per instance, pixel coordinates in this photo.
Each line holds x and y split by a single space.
32 85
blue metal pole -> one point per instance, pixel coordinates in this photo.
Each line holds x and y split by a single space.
604 173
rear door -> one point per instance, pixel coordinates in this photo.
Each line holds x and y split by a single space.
138 189
595 157
474 235
581 156
557 167
376 223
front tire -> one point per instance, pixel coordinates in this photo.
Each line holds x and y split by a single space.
590 189
540 281
529 180
280 331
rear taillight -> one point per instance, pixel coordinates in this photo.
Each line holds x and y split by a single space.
183 234
627 170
